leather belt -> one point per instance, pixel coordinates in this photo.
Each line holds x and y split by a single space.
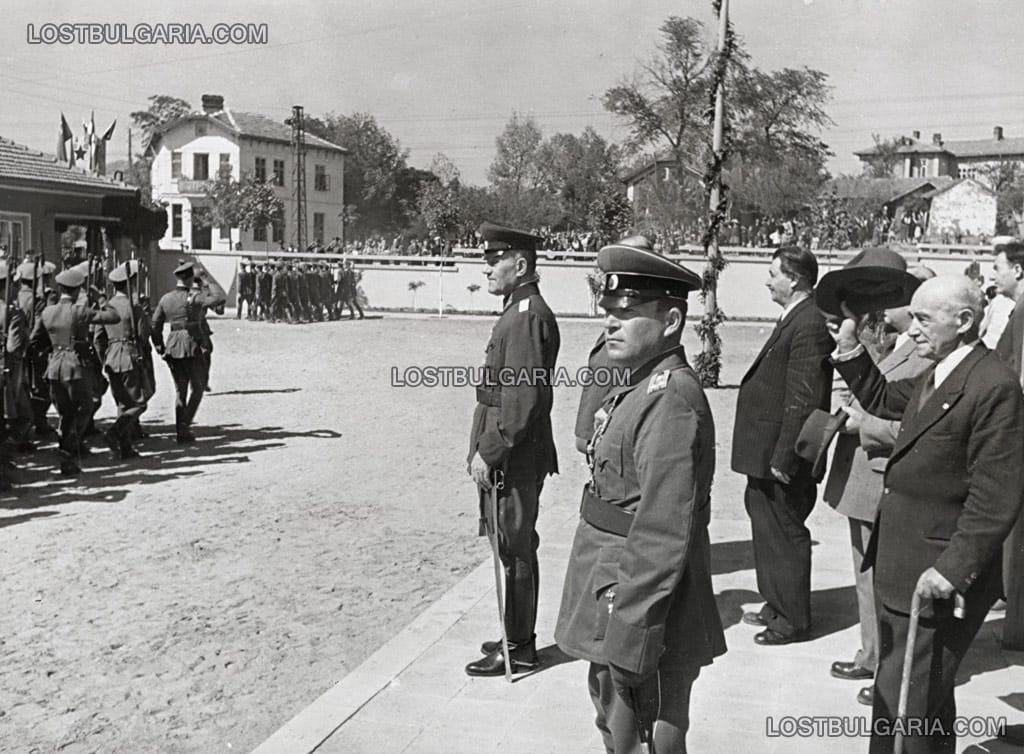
488 397
603 515
184 326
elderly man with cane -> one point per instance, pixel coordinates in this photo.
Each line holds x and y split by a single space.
952 491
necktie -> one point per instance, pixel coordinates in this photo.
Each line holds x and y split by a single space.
927 391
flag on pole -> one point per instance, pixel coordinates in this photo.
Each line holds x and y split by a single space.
62 141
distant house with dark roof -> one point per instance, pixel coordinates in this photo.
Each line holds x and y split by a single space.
40 198
189 152
957 159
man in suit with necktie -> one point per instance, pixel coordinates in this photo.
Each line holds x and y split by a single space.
1008 276
788 380
854 482
953 489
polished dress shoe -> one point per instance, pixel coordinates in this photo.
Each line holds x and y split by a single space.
851 671
490 646
754 619
866 696
772 638
523 659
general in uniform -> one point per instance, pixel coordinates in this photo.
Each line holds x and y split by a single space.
637 601
511 438
182 309
64 327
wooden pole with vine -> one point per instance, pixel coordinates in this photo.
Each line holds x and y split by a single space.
709 362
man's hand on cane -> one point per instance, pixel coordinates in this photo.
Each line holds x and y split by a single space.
933 585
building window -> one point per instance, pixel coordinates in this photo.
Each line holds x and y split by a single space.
175 164
261 169
201 166
225 233
176 220
12 234
278 229
259 233
278 172
321 181
225 165
318 227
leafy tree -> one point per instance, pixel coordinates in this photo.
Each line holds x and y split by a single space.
610 214
438 206
415 285
577 170
515 167
1006 178
885 159
244 204
162 109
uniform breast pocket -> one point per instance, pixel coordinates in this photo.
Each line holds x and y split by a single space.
608 473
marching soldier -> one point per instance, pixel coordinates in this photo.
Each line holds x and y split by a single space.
17 407
326 291
264 282
295 294
63 327
182 310
315 305
511 444
124 364
280 305
637 601
34 295
246 290
350 289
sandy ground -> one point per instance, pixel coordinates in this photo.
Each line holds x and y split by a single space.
196 599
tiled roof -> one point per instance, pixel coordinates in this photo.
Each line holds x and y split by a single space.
914 147
986 147
20 162
943 189
252 125
847 187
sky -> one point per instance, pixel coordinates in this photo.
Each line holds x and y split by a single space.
446 75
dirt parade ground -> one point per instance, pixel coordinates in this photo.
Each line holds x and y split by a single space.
196 599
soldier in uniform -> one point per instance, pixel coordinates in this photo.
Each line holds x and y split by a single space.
124 365
637 601
263 287
326 291
246 290
511 443
206 333
280 306
350 289
182 310
17 407
313 283
63 327
33 296
295 294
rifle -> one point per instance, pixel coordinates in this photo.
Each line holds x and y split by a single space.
133 327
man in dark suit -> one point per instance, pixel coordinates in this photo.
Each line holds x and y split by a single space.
1008 276
953 489
788 380
855 483
510 442
638 602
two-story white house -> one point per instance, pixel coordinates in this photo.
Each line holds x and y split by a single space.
191 150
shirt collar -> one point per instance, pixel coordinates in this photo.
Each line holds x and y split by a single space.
951 362
792 305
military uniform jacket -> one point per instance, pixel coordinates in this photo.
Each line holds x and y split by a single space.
182 309
123 353
18 333
954 482
512 422
65 327
278 285
645 601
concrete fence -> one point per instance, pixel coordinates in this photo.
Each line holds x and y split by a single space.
447 282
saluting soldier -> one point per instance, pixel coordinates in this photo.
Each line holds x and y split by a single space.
63 327
182 310
637 601
124 364
511 443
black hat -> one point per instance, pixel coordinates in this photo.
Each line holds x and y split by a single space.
875 279
498 238
635 273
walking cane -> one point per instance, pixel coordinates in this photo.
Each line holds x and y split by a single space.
908 661
491 524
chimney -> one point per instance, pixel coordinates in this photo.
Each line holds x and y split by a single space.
213 103
997 133
937 139
915 134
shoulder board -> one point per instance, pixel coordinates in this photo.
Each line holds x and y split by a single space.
658 381
524 305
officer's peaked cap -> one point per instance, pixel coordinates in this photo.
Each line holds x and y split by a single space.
499 238
117 275
634 273
185 268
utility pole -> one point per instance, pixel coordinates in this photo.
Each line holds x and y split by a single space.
299 146
714 252
129 150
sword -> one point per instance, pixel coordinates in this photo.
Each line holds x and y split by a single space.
491 526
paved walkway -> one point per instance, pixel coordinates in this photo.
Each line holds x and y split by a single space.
412 695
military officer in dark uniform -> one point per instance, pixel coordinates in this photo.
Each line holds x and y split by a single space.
511 442
124 364
182 309
33 297
246 290
64 328
637 601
